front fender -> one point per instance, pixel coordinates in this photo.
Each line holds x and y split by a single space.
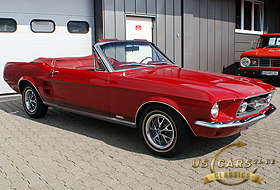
163 101
189 110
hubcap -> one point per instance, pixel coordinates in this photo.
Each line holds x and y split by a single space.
30 101
159 131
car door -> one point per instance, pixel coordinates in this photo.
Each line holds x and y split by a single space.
83 88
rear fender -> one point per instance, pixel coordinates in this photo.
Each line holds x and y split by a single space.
25 80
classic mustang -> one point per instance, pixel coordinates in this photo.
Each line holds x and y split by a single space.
135 84
265 59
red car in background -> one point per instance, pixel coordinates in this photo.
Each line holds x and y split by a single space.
264 60
133 83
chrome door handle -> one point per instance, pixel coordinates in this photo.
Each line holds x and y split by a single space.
53 72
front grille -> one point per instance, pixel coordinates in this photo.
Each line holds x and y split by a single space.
255 104
275 63
264 62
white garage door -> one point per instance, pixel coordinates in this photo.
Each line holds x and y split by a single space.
30 29
139 28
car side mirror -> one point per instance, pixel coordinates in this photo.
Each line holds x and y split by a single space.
254 43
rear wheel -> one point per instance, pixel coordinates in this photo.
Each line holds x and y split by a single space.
32 103
164 131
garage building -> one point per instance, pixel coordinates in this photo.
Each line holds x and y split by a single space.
207 35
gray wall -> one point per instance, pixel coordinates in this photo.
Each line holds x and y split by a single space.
208 34
205 32
196 34
242 44
167 22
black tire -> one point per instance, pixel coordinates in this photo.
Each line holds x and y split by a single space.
32 103
164 131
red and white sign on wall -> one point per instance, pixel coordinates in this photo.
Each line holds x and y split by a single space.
137 27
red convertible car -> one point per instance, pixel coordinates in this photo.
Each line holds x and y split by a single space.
264 60
135 84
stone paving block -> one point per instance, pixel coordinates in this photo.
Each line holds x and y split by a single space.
67 151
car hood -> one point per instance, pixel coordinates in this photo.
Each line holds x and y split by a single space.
216 84
263 53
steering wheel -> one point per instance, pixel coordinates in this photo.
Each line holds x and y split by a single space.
145 59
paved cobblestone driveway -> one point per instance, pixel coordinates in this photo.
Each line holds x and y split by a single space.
68 151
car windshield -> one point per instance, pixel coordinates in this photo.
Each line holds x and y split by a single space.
269 41
133 54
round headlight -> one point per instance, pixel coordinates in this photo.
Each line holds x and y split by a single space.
243 107
245 62
269 97
215 110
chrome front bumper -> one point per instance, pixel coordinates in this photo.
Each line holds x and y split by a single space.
239 123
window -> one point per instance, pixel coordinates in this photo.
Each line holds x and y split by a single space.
81 27
269 41
8 25
42 26
249 16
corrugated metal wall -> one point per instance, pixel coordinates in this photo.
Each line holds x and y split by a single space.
209 27
198 34
167 22
242 44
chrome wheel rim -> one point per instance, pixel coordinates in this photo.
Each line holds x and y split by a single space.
30 101
160 131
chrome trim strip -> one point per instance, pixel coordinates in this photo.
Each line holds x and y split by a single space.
96 116
235 124
266 67
239 115
104 58
21 79
256 95
101 59
136 115
269 61
253 112
238 123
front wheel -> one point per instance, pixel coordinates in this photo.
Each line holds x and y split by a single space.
32 103
164 131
